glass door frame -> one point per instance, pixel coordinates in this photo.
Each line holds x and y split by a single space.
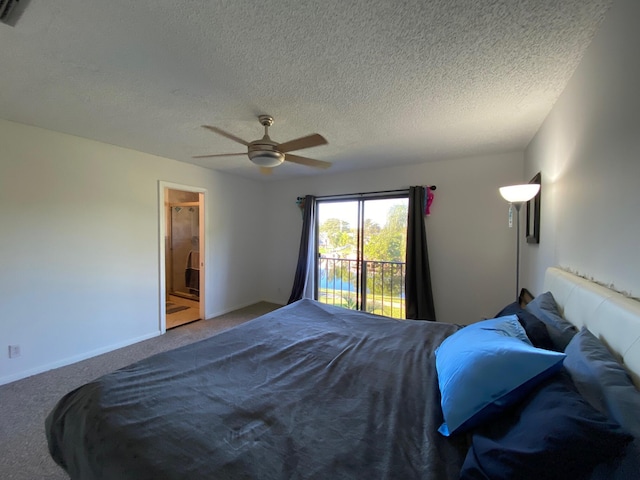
361 284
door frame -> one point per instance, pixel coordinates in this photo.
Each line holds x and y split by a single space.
163 203
361 274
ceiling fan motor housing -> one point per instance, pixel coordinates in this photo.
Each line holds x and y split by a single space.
265 154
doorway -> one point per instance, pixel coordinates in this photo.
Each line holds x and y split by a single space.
182 255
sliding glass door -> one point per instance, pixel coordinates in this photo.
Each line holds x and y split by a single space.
361 245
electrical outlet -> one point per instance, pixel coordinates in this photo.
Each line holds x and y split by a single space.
14 351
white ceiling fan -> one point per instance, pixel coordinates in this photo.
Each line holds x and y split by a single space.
267 154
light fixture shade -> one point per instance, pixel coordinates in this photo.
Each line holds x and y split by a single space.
519 193
266 158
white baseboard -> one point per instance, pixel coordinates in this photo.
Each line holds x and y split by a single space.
74 359
211 316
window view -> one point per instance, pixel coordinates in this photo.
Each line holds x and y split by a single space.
361 261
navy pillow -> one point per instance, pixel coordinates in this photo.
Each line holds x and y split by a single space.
546 309
553 434
485 367
535 328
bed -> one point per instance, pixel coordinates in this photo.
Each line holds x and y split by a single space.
315 391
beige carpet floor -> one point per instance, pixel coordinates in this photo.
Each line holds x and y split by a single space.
25 404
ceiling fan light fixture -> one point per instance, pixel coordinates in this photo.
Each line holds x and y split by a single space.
266 159
267 154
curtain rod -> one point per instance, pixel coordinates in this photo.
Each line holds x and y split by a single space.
431 187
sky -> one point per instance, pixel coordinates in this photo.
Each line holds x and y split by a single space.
348 210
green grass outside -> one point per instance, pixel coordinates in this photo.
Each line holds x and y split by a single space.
387 305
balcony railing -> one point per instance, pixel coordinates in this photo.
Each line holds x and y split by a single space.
371 286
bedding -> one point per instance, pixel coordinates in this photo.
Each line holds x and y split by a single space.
553 434
315 391
307 391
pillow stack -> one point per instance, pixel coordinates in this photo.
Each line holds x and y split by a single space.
553 434
503 381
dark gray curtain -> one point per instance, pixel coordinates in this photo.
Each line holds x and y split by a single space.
418 294
303 269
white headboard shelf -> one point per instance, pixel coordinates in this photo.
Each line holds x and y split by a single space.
610 316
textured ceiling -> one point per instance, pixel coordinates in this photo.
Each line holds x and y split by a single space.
387 82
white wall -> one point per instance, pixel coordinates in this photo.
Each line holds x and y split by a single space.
79 248
471 249
588 151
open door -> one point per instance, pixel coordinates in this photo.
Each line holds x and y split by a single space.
182 254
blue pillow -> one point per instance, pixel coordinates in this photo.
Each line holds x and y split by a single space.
554 434
546 309
485 367
535 328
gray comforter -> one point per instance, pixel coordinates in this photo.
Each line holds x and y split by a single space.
308 391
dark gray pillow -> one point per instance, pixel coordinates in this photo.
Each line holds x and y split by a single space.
603 381
607 386
545 308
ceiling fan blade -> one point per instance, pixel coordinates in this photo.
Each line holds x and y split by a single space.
266 170
219 155
303 142
309 162
226 134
